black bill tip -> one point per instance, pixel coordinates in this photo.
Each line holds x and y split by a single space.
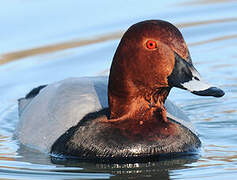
212 91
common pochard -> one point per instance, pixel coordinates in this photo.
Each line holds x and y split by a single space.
125 115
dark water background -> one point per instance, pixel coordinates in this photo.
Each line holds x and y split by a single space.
45 41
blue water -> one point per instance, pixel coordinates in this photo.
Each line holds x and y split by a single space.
45 41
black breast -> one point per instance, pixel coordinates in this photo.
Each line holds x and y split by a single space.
92 140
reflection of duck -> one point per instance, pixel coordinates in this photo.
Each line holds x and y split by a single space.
151 58
148 170
72 168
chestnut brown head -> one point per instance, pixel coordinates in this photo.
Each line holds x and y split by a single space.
151 55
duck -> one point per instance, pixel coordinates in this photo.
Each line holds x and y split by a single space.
126 115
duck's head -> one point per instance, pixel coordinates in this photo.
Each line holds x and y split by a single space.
152 55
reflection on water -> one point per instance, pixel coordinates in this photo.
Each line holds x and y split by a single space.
214 40
148 170
56 47
32 55
11 56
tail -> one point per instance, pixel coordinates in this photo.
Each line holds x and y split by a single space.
23 102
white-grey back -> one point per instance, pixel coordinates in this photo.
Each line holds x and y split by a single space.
58 107
61 105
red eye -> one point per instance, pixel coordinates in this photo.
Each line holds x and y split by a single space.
150 44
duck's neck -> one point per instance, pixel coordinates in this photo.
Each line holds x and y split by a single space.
129 102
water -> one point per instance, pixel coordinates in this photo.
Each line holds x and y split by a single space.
45 41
